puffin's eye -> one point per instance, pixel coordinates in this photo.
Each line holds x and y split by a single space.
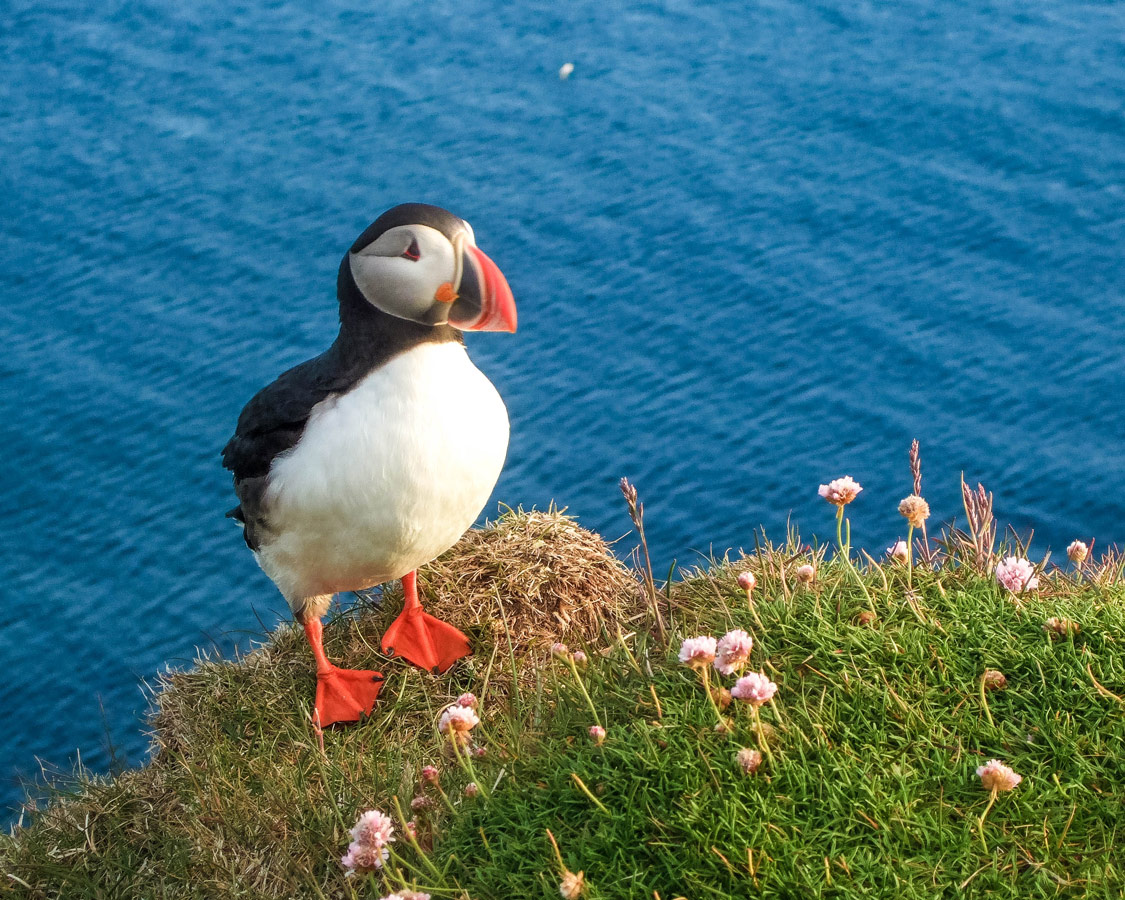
412 252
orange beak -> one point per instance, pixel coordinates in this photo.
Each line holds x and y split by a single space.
484 301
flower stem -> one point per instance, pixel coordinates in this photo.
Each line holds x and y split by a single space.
706 673
466 762
984 703
414 841
845 547
585 790
582 687
910 558
980 823
762 742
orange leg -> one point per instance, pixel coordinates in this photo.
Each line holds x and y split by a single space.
421 639
342 695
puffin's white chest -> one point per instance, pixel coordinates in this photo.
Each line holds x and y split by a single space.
386 476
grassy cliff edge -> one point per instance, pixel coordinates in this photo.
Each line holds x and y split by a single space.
867 785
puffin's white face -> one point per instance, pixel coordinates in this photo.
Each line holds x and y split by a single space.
403 271
415 272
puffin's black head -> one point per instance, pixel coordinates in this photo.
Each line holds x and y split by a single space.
421 263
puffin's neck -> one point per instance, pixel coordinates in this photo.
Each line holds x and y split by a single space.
368 336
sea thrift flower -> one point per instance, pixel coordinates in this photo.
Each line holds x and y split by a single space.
480 752
572 885
364 858
471 789
412 829
1061 627
841 491
597 734
995 776
698 652
747 581
994 680
374 828
721 697
897 551
457 721
1077 552
430 774
754 689
732 651
560 649
469 700
915 510
806 573
579 658
368 849
407 895
748 760
1017 575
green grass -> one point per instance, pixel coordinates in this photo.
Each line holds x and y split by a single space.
869 789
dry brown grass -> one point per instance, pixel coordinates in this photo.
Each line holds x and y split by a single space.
540 573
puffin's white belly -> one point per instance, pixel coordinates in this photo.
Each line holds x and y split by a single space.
386 476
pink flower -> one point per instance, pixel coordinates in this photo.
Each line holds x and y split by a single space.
1077 552
995 776
558 648
897 551
480 752
698 652
1017 575
421 802
458 719
412 829
469 700
747 581
597 734
407 895
806 573
471 789
748 760
841 491
732 651
364 857
430 773
754 689
579 658
572 885
373 828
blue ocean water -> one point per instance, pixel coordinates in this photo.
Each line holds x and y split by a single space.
755 246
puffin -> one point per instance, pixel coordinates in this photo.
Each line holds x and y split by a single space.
358 466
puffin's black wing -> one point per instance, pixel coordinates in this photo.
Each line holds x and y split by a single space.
273 422
274 419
